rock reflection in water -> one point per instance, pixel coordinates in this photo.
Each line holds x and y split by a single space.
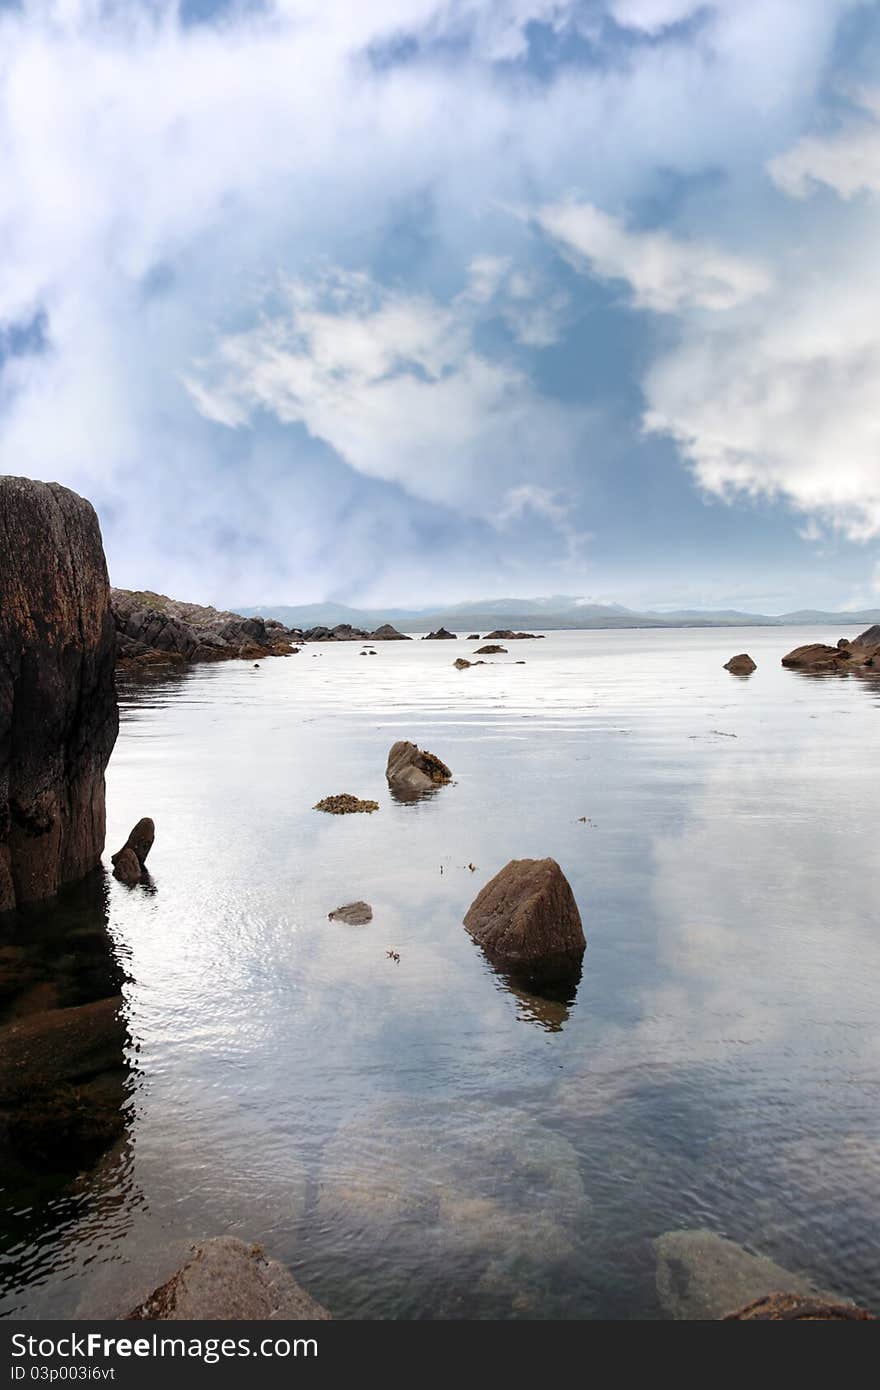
549 1006
63 1067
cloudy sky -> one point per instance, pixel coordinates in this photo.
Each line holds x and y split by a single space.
421 300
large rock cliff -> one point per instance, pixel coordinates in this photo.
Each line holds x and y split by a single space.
58 715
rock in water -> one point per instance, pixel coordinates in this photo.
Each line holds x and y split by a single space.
702 1275
410 770
741 665
127 867
792 1307
527 921
139 842
226 1280
58 714
441 635
355 914
491 650
344 804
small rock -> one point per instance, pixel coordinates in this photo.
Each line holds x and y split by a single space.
344 804
474 637
741 665
355 914
461 664
127 867
491 650
441 635
526 920
140 841
225 1281
410 769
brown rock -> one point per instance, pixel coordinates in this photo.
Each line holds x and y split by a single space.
127 867
344 804
441 635
227 1280
793 1307
741 665
526 920
815 656
474 637
354 914
412 770
58 715
491 650
140 841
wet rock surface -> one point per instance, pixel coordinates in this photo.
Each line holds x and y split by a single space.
411 770
862 653
225 1279
58 714
527 922
790 1307
703 1275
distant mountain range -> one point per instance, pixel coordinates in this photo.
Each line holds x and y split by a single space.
559 611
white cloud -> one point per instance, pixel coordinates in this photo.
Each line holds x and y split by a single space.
393 382
653 15
665 274
847 161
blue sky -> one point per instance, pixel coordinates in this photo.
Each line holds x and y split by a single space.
423 300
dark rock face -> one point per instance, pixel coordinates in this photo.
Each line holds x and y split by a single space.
860 654
741 665
58 714
441 635
411 771
140 841
344 632
227 1280
792 1307
474 637
505 634
127 867
527 921
154 630
387 633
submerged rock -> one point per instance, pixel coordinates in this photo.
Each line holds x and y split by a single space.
741 665
527 921
355 914
58 714
410 769
703 1275
227 1280
344 804
792 1307
461 664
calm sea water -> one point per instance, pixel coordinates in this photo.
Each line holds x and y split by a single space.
421 1139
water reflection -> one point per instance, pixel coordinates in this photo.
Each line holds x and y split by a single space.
550 1008
64 1073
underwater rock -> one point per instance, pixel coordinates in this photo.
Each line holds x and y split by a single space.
227 1280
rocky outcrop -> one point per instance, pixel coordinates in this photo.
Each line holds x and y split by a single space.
505 635
441 635
387 633
154 630
701 1274
344 632
792 1307
227 1280
862 653
344 804
491 649
128 862
741 665
58 714
354 914
527 921
411 771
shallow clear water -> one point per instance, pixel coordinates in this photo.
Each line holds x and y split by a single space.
420 1139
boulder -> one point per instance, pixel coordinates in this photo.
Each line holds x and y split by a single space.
815 656
58 713
387 633
354 914
226 1280
792 1307
140 841
441 635
474 637
701 1274
527 921
741 665
412 770
506 635
127 867
491 650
